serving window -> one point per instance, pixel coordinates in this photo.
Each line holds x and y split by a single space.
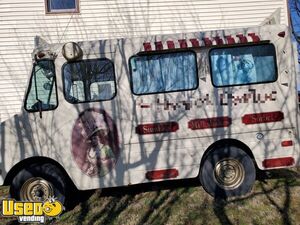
243 65
163 72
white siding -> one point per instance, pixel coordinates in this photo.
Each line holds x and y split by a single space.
20 21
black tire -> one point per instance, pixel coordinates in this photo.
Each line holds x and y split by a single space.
48 173
227 171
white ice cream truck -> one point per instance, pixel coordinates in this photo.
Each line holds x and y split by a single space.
217 105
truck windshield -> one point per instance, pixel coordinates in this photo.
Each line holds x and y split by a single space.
41 93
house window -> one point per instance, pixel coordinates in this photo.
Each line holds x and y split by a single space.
243 65
163 72
62 6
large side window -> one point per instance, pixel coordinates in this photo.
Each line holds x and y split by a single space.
242 65
165 72
89 80
41 94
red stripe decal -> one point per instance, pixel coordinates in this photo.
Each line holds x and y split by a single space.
145 106
287 143
207 42
254 37
242 38
214 122
170 44
162 174
278 162
147 46
182 43
262 117
154 128
219 41
195 42
158 45
230 40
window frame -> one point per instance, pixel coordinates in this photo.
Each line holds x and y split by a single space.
30 83
263 43
162 53
61 11
87 60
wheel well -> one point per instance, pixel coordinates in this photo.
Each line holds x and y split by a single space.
232 142
40 160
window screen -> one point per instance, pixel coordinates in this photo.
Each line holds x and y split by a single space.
243 65
166 72
41 94
89 80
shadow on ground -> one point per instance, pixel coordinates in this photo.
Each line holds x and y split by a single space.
274 198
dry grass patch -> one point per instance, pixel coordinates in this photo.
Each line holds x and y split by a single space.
274 200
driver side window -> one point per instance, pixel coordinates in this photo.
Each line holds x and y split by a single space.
41 93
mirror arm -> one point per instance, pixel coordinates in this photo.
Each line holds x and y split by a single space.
40 105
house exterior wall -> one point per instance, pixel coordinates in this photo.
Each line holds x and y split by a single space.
21 21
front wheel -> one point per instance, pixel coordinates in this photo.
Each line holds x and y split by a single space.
227 171
39 182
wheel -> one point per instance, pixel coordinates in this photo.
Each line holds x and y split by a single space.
39 182
227 171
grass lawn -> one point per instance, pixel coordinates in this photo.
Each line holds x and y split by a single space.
275 199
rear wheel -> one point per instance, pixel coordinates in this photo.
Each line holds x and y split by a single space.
227 171
39 182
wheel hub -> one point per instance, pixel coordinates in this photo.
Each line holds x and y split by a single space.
36 189
229 173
